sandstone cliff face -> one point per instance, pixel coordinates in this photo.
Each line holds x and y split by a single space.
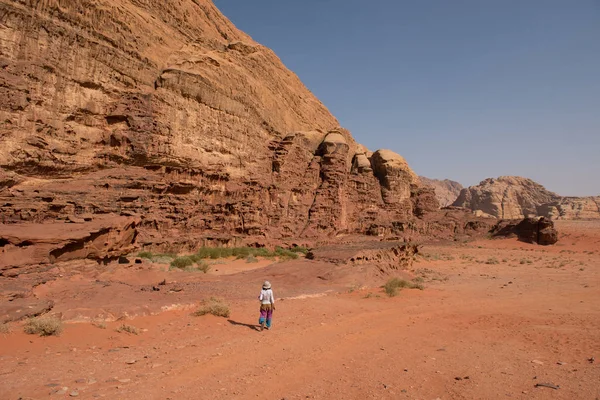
507 197
513 197
446 191
572 208
163 110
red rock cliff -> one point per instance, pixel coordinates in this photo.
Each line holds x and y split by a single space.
164 110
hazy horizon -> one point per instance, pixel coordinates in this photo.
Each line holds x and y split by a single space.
463 90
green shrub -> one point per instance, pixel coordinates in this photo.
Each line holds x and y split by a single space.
285 254
299 249
394 284
182 262
43 326
145 254
215 307
251 259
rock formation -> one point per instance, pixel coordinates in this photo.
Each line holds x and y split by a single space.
507 197
31 244
164 111
572 208
513 197
446 191
530 230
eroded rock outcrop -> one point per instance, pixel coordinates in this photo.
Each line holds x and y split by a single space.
31 244
530 230
167 113
507 197
446 191
572 208
513 197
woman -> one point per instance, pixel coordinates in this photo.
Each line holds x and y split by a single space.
267 306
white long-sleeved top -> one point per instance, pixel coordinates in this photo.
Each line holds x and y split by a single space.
267 296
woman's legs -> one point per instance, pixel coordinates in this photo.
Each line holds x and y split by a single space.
263 317
269 317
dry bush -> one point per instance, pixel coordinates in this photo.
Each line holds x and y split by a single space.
99 324
43 326
215 307
128 329
394 284
4 328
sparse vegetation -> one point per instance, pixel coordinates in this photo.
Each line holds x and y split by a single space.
299 249
214 307
394 284
194 262
145 254
4 328
525 261
128 329
438 256
160 258
492 261
43 326
99 324
191 263
182 262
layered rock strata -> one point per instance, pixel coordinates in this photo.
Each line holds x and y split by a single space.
164 111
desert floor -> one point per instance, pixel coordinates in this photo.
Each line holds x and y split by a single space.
496 318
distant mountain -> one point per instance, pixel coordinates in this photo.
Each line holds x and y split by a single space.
446 190
512 197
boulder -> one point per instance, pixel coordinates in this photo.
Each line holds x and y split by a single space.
530 230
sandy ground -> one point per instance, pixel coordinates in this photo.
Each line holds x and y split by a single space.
496 318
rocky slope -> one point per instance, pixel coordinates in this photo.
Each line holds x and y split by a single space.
164 111
446 191
513 197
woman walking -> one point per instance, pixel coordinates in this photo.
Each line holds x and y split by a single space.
267 306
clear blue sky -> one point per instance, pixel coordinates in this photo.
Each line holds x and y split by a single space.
463 89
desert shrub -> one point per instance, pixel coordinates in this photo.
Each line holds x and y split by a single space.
43 326
241 252
213 306
182 262
4 328
99 324
145 254
251 259
394 284
203 266
299 249
492 260
128 329
285 254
